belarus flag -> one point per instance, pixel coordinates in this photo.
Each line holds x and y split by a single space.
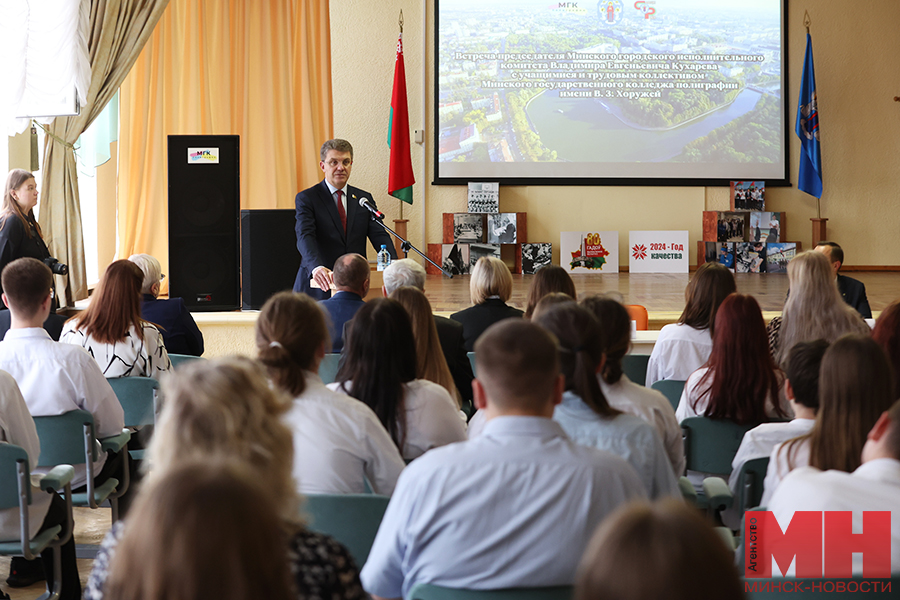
400 178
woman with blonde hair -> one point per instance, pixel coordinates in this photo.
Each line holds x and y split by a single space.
814 310
112 330
430 361
490 287
169 552
339 443
225 409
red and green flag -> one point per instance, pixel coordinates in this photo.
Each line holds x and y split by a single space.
400 177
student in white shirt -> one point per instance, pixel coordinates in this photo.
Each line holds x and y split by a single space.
623 394
855 387
339 442
585 415
872 486
380 371
684 347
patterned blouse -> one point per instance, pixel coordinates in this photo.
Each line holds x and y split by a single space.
323 568
140 354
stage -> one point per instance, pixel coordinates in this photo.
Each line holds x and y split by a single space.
663 295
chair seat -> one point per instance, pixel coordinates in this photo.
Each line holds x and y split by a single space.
101 493
37 544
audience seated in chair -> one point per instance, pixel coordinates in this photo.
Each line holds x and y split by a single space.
225 409
886 334
584 413
203 531
380 370
872 486
814 309
852 290
339 443
179 330
514 508
112 330
855 387
490 287
624 394
351 284
407 272
684 347
663 550
547 280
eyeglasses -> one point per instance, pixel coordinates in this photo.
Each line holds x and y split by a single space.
335 162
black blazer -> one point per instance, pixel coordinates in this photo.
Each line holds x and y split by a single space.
15 243
178 328
320 237
450 334
476 319
854 293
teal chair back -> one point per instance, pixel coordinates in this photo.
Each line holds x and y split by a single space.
180 359
352 519
137 395
328 368
710 444
63 438
471 356
635 366
425 591
671 389
750 483
10 455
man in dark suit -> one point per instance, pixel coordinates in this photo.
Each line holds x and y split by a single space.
351 284
408 272
330 221
852 290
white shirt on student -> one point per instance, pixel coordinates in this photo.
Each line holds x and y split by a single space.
57 378
17 428
432 417
654 408
679 351
780 464
874 486
762 439
338 443
694 399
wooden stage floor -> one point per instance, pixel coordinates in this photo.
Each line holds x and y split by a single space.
660 293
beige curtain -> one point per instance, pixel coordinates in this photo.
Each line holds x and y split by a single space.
258 69
118 31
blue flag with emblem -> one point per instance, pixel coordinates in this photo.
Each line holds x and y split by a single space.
807 128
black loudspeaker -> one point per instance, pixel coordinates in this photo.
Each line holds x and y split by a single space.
204 209
269 257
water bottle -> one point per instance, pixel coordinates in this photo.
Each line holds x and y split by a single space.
384 258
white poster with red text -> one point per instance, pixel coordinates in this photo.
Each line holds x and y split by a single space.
658 251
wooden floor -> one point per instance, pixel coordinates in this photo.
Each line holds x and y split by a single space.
660 293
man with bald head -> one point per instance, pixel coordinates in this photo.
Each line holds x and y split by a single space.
514 507
351 284
852 291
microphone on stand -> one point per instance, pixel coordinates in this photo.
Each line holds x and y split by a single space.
365 203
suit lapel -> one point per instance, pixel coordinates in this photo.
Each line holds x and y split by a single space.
353 206
331 207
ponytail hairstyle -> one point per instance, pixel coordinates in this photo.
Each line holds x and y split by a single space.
14 181
615 323
581 343
290 331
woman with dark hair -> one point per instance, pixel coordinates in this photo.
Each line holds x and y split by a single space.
856 385
684 347
887 335
623 394
339 443
380 370
547 280
739 382
584 413
112 330
20 234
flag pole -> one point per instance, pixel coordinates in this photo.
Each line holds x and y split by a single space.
401 35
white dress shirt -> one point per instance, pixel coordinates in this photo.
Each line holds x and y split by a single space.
432 417
338 443
624 435
17 428
780 464
875 486
679 351
140 354
654 408
514 508
56 378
